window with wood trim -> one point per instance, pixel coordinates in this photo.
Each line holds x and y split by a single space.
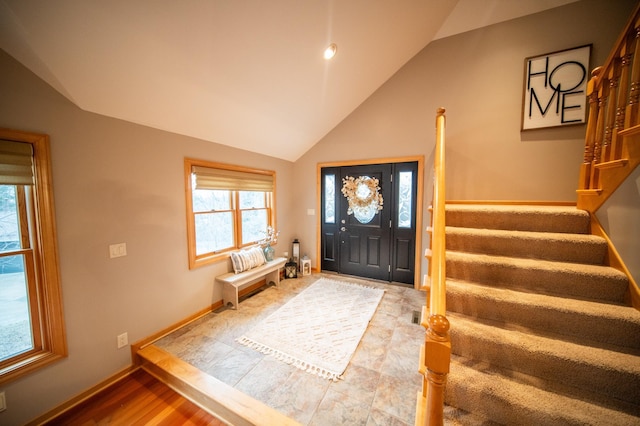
228 207
32 331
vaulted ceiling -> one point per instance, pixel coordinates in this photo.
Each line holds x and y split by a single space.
243 73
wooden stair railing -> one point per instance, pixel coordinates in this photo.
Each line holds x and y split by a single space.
612 142
435 353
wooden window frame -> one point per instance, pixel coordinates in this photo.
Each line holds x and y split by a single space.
42 266
240 211
196 260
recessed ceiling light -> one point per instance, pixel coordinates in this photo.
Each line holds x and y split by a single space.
330 51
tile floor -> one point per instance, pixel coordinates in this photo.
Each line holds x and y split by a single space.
380 383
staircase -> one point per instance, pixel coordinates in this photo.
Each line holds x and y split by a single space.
540 331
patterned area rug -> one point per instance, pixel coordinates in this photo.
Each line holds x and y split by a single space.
319 329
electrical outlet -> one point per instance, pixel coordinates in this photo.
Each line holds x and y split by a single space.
123 340
117 250
3 402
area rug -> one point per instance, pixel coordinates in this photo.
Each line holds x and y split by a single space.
319 329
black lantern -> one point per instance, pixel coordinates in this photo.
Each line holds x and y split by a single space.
291 269
296 253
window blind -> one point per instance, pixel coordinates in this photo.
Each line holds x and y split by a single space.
16 163
232 180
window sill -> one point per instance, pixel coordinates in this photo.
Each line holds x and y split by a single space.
29 364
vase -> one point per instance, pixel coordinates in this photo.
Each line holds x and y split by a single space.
269 252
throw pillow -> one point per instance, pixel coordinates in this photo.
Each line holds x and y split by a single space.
246 259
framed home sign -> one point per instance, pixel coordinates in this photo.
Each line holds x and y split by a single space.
555 88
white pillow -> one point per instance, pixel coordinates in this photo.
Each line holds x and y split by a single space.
246 259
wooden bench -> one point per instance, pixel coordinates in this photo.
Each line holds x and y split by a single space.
231 281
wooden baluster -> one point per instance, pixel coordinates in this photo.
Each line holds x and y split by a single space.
633 108
623 91
585 168
610 117
437 359
603 91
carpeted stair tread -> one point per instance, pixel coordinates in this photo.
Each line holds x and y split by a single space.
540 329
599 323
612 374
481 391
590 282
558 246
519 217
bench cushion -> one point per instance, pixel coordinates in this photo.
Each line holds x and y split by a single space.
246 259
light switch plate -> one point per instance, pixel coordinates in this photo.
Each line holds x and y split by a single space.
117 250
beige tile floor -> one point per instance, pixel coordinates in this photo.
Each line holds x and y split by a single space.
379 385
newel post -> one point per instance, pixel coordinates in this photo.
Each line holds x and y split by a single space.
437 358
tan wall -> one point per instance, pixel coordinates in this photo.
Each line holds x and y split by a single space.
115 182
620 218
120 182
478 77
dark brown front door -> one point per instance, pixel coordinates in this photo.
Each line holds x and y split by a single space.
365 232
372 237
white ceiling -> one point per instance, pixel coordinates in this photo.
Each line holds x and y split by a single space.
243 73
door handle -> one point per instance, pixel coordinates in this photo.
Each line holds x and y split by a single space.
343 229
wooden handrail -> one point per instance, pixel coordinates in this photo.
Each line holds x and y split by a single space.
436 351
437 305
612 141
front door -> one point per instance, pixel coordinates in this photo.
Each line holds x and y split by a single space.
364 222
368 221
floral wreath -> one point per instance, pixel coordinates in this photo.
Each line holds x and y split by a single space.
350 189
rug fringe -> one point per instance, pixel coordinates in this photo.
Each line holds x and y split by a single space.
288 359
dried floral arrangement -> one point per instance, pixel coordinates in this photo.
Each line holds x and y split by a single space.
271 237
361 192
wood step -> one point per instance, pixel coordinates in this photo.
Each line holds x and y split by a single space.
612 164
217 397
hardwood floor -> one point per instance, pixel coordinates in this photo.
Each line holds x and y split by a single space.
138 399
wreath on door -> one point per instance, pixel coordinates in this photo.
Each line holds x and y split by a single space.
364 197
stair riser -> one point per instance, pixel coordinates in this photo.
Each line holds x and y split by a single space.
580 326
623 385
536 222
559 282
590 252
